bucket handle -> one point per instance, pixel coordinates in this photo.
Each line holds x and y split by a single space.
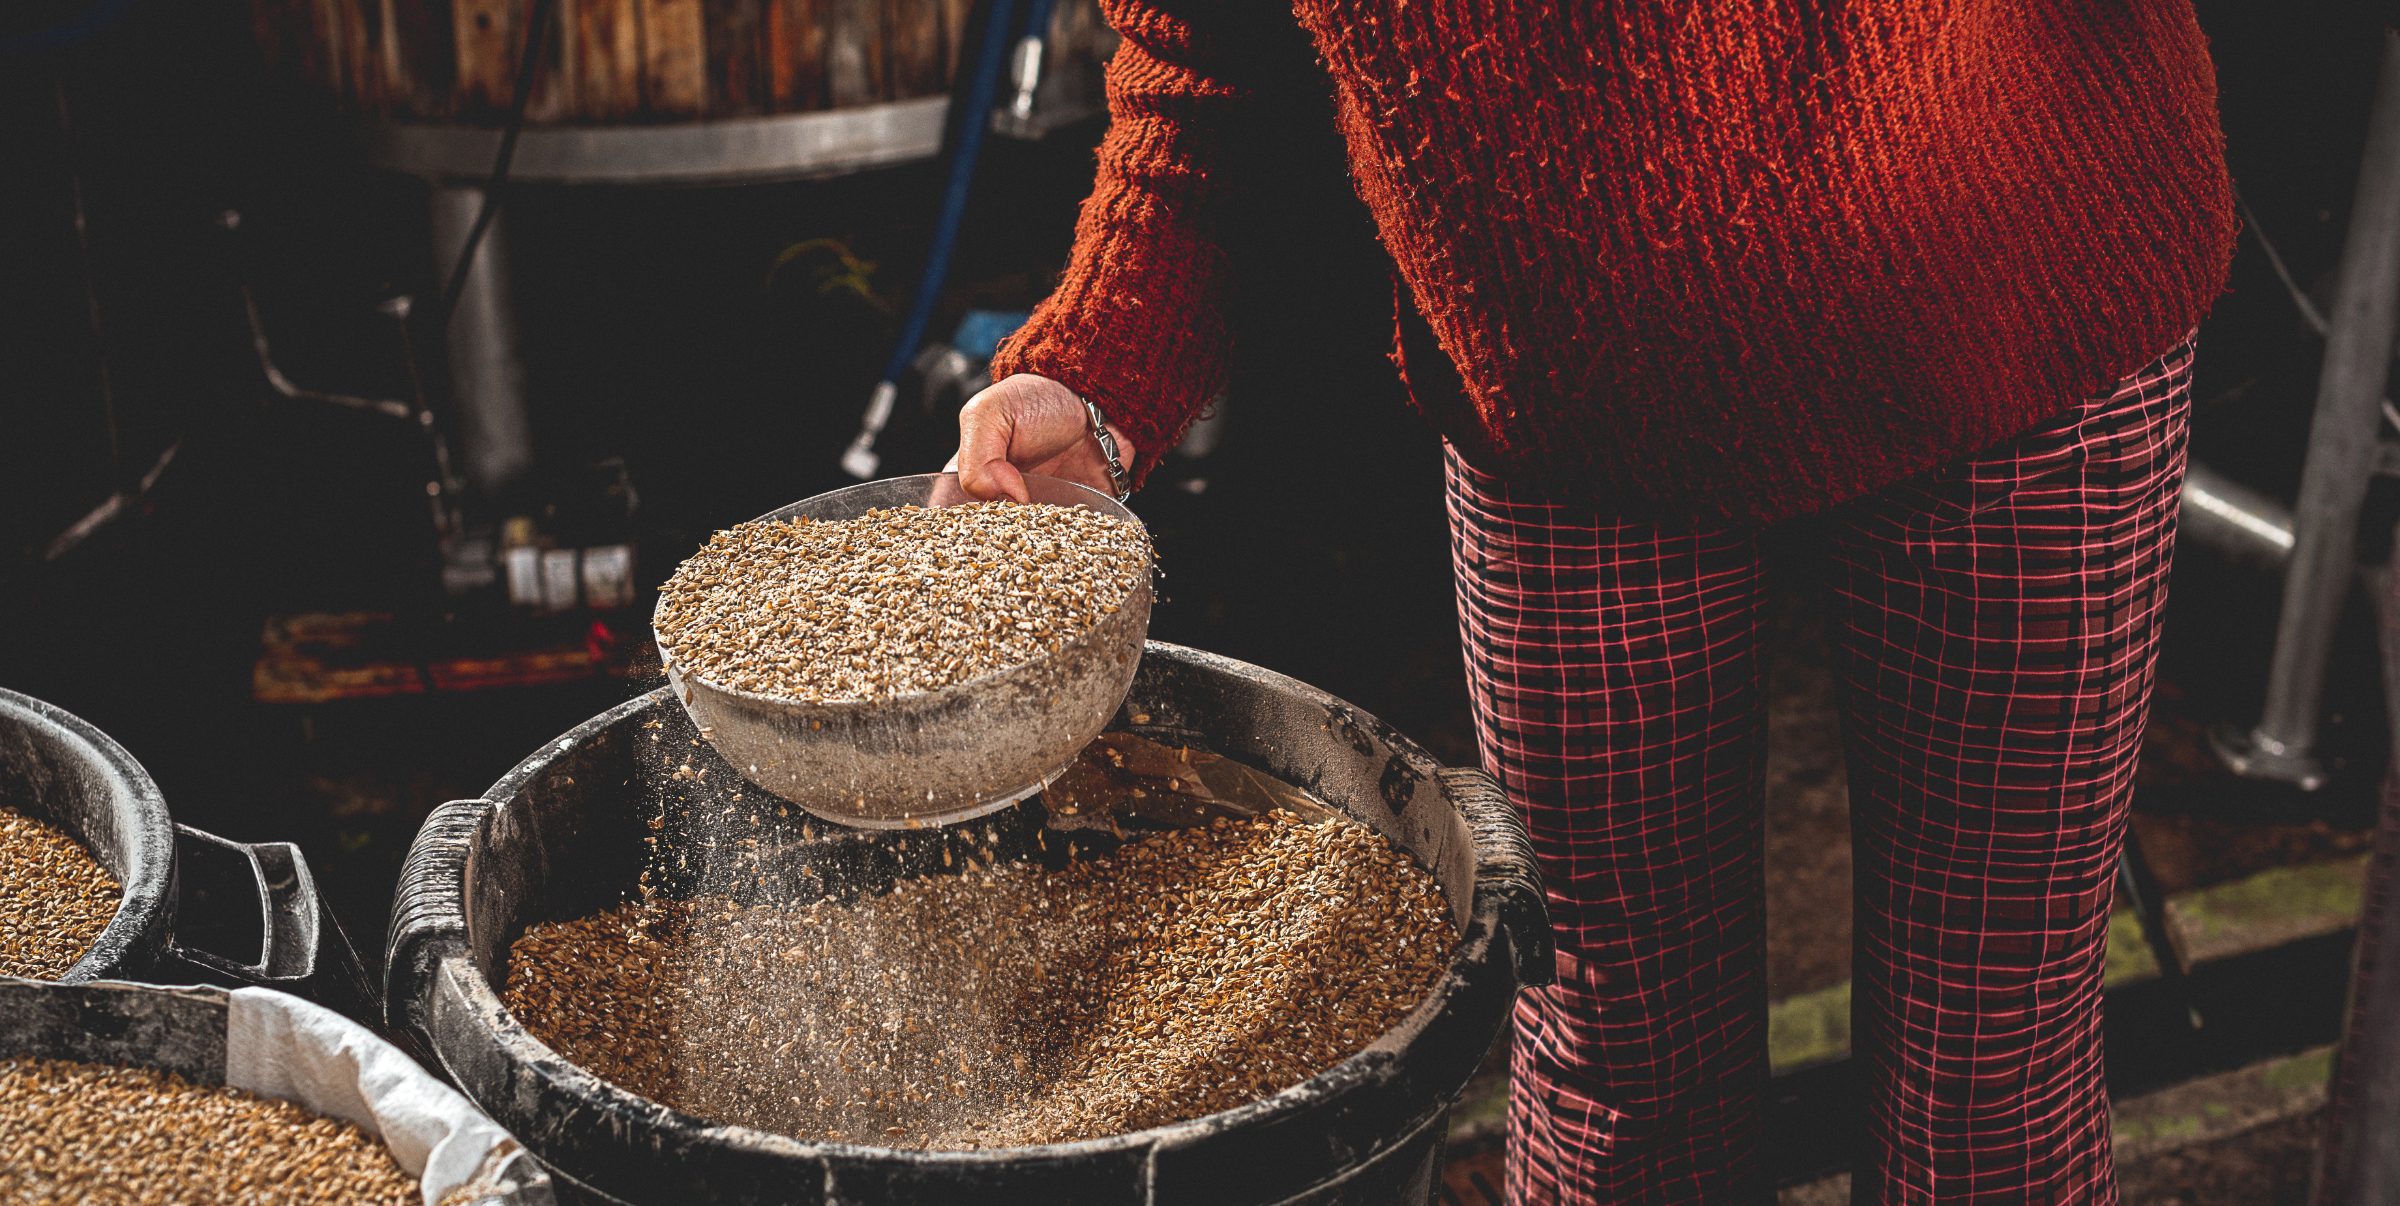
429 911
1506 872
301 948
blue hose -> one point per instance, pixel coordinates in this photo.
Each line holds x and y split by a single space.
973 111
1037 18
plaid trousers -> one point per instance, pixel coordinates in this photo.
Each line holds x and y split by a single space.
1996 624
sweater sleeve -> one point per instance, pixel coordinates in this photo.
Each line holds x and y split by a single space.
1137 323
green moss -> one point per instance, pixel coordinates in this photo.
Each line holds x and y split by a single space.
1484 1109
2308 1069
1809 1028
2168 1127
2324 895
2128 951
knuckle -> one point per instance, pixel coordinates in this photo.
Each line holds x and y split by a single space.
980 414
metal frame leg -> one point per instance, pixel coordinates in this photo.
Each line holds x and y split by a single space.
2343 441
2233 518
487 379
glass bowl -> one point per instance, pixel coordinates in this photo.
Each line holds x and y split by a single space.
935 757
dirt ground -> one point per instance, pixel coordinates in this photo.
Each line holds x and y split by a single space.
2269 1166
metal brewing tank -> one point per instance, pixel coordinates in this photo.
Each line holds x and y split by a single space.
560 836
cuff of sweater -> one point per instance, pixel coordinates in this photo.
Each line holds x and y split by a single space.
1130 406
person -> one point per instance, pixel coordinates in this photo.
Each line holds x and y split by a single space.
1670 275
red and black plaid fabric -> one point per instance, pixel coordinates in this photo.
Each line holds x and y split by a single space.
1997 622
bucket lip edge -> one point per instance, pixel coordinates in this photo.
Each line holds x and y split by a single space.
505 1034
144 905
516 777
213 999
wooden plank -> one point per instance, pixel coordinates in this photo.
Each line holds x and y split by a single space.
553 97
853 56
737 79
607 59
271 32
315 47
955 15
674 58
395 76
361 31
795 54
325 32
486 55
421 40
566 74
912 46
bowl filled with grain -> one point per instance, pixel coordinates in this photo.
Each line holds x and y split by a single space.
895 655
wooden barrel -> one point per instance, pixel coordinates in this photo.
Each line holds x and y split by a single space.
617 61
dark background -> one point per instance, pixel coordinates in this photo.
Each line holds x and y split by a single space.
656 328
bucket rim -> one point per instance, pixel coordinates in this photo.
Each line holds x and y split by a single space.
145 885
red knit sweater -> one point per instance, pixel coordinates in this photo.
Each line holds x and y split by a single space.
1745 258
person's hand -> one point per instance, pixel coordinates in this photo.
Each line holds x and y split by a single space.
1028 424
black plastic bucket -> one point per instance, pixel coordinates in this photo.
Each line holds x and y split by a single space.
194 906
560 836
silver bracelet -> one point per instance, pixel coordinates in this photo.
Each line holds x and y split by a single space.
1118 481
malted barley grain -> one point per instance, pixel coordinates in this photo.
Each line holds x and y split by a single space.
897 601
1005 1005
77 1132
55 898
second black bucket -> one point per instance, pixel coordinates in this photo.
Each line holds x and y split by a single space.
560 835
194 906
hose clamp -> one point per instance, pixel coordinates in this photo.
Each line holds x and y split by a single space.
1119 483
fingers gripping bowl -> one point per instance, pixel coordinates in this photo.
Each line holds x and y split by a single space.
920 757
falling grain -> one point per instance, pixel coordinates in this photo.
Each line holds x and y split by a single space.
1182 974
